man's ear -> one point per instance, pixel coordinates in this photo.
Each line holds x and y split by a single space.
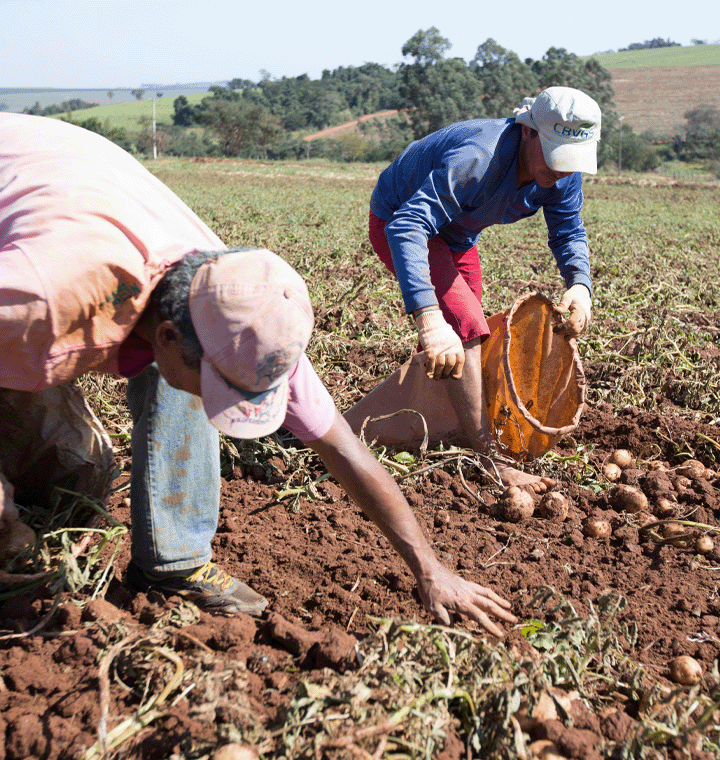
167 335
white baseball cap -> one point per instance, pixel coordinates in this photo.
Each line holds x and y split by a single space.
568 122
253 317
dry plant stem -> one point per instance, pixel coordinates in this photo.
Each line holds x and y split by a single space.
687 523
709 440
475 496
105 689
445 458
18 579
109 741
43 622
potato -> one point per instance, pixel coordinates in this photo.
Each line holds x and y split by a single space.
544 709
235 751
691 469
677 535
627 498
553 506
710 475
622 458
685 670
680 483
515 505
14 537
656 466
544 749
664 508
596 527
611 471
704 545
645 518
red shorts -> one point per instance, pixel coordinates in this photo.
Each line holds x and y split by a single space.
456 277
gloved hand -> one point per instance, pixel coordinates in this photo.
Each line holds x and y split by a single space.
576 300
444 353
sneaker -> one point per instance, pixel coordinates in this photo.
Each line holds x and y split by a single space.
208 586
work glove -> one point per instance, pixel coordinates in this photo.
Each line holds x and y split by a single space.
444 353
576 301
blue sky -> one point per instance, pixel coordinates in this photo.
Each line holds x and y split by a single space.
129 43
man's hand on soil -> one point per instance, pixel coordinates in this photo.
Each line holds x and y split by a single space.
444 353
446 595
576 301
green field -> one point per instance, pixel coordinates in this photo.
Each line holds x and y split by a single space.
651 248
695 55
128 115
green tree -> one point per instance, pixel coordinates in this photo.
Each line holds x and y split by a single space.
435 90
427 47
184 115
137 94
241 84
241 128
634 154
504 78
702 134
366 89
117 134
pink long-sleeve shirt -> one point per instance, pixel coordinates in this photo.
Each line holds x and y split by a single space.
86 232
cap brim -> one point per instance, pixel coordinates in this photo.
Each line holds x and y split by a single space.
238 413
569 157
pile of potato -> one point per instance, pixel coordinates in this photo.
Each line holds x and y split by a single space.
656 500
517 504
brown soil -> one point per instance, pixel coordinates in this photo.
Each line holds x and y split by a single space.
325 568
658 98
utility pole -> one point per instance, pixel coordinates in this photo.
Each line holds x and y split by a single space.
153 132
620 120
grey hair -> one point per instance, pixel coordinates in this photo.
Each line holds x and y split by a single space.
170 300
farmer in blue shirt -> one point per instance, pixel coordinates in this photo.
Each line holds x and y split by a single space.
431 204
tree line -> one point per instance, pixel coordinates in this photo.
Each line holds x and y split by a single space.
268 118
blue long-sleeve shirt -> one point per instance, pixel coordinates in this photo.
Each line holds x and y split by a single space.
460 180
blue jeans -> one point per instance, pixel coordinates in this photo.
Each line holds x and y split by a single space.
175 480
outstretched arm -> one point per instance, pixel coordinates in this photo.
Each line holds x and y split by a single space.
369 485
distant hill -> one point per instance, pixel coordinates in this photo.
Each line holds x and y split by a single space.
655 88
694 55
18 99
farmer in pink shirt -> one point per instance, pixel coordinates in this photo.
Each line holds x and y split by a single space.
103 268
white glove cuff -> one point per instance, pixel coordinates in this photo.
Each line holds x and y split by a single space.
430 320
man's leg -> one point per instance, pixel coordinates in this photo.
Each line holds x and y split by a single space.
467 398
457 279
175 497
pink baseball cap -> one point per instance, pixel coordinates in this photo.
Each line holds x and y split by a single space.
252 315
568 122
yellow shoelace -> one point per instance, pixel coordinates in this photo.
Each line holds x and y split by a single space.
203 575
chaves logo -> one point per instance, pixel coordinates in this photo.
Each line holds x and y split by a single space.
581 132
